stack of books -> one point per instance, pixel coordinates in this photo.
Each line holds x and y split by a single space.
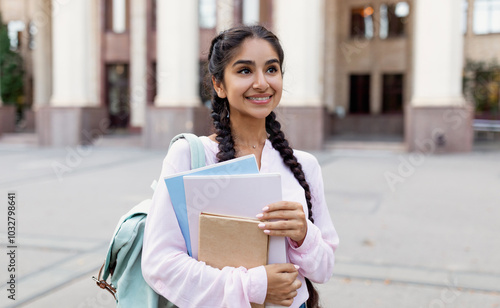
216 207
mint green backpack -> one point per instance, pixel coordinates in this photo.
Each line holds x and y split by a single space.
123 260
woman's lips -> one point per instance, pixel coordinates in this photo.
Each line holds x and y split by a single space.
260 100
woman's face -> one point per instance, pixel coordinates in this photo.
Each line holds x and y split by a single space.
252 82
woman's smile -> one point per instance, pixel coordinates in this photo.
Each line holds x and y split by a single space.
259 99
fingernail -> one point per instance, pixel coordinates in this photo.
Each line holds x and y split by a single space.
267 231
259 215
266 208
296 266
262 225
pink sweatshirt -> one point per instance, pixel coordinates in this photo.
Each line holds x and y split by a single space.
186 282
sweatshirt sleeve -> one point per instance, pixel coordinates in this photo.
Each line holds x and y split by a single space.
171 272
316 255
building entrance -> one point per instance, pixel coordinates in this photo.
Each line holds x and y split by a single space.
359 98
118 95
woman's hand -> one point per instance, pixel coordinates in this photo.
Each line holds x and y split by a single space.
282 283
291 220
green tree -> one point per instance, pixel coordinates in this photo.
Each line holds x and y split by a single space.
11 71
482 85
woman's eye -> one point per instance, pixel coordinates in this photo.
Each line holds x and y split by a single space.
272 69
244 71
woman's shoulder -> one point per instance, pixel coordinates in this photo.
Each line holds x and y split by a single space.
182 147
306 159
179 152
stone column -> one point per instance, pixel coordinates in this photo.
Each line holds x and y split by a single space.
42 54
438 118
300 27
225 15
74 115
138 65
177 106
331 47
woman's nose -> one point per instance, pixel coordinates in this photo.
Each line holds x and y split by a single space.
260 82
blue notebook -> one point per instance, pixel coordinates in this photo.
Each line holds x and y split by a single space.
175 185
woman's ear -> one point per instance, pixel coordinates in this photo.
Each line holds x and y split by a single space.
219 88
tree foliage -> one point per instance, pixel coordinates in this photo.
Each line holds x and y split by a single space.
482 86
11 70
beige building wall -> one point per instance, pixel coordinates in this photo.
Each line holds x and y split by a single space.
484 47
12 9
373 56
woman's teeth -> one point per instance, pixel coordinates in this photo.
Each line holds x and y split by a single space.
259 98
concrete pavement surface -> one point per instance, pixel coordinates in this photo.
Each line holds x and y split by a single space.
416 230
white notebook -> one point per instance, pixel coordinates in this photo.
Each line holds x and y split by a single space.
235 195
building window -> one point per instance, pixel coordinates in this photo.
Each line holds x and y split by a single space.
208 14
392 93
117 96
362 22
359 100
393 18
117 16
251 12
486 16
15 32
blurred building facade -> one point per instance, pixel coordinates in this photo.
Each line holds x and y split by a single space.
369 67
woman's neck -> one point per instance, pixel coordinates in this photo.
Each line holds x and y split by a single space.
249 133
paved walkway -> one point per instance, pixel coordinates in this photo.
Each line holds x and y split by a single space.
416 231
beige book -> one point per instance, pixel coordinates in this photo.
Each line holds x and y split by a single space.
232 241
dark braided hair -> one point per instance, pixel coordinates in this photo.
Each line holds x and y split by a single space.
223 48
277 138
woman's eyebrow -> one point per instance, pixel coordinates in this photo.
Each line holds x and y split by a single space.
272 61
246 62
250 62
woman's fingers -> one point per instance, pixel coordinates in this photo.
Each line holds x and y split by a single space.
282 283
281 205
284 218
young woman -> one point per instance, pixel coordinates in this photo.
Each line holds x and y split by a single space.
245 64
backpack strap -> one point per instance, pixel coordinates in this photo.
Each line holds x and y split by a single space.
196 147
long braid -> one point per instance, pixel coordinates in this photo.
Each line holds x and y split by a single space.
220 106
223 130
279 142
